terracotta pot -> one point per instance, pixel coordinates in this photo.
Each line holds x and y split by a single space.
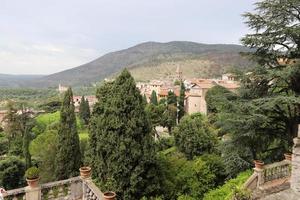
33 183
109 196
85 172
288 156
258 164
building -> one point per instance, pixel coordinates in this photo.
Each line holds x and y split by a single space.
195 100
62 89
77 100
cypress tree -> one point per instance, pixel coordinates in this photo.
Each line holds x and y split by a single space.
181 102
69 157
84 110
171 98
122 148
26 142
153 98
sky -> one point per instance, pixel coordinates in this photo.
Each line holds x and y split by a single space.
48 36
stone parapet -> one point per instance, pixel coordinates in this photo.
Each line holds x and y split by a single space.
295 178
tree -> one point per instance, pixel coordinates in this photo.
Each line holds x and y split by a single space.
270 40
121 145
12 127
12 171
44 150
84 110
181 99
194 137
261 122
153 98
68 158
171 98
169 117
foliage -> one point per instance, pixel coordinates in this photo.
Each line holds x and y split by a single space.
4 145
226 191
44 149
32 173
164 143
12 171
12 127
184 179
68 158
84 110
51 106
241 194
121 145
270 40
153 98
181 100
261 121
169 117
194 137
171 98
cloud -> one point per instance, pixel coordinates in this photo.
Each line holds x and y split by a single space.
42 58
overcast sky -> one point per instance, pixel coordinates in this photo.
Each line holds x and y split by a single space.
47 36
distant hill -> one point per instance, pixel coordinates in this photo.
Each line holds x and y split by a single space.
7 80
154 60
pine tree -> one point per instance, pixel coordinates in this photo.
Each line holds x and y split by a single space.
181 102
69 157
122 151
153 98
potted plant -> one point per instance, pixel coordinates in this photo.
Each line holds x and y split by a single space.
288 156
85 172
32 175
258 164
109 195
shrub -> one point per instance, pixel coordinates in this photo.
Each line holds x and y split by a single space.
164 143
12 171
3 145
194 136
32 173
227 191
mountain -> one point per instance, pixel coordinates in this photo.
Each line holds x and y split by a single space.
7 80
154 60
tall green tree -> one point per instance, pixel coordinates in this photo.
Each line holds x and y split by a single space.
181 99
171 98
262 121
84 110
12 127
153 98
68 158
121 145
194 137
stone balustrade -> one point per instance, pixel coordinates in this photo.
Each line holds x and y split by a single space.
277 170
77 188
67 189
17 194
269 173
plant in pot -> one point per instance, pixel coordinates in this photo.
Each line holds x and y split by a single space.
32 175
85 172
109 195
